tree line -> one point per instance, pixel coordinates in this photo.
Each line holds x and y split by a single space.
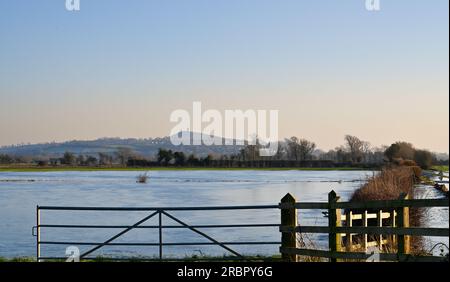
292 151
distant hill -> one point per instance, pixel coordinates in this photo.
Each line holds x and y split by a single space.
143 147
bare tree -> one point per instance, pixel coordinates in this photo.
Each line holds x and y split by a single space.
281 152
68 158
81 160
306 148
355 147
293 148
342 155
104 159
378 154
123 154
251 151
366 149
6 159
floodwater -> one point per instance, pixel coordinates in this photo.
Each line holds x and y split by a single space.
20 193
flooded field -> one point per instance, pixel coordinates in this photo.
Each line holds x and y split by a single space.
21 192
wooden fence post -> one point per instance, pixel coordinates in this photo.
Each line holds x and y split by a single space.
393 224
403 241
380 224
364 223
348 236
289 219
334 220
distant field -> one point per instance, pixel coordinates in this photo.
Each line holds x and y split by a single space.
49 169
443 168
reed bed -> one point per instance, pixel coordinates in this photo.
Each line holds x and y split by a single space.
388 185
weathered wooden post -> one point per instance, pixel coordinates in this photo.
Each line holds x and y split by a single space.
403 241
380 224
289 219
364 223
393 224
334 220
349 223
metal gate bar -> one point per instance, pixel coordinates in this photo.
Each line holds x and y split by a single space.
119 234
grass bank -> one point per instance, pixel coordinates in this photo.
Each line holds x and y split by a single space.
17 259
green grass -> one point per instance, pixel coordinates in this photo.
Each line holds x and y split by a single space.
63 168
18 259
443 168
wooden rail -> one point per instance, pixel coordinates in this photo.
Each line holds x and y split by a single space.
387 223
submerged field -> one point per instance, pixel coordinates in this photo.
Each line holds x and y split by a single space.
119 168
20 192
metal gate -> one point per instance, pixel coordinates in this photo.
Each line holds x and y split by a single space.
158 212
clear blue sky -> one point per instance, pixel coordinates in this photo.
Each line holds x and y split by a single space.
119 67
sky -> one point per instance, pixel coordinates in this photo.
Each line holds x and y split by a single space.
118 68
